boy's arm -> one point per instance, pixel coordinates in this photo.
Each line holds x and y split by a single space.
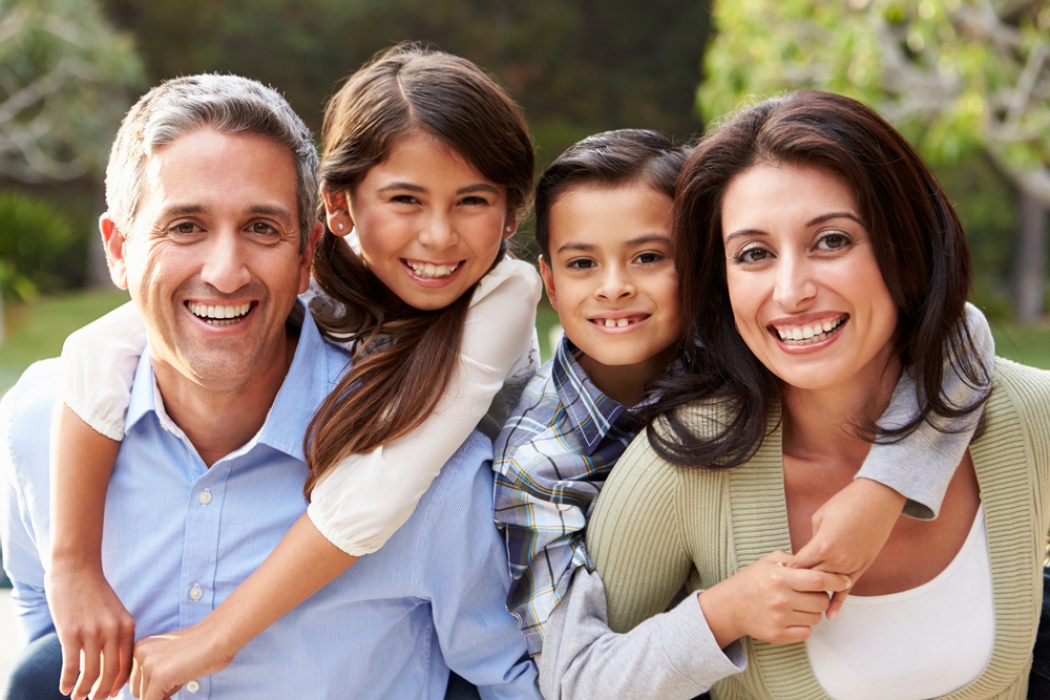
97 369
850 529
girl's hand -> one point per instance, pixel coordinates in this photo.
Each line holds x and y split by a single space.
164 663
96 631
769 600
849 531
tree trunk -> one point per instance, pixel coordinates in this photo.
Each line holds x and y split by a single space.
1029 283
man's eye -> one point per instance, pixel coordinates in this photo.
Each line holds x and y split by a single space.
185 227
264 229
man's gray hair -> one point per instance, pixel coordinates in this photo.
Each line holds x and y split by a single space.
226 103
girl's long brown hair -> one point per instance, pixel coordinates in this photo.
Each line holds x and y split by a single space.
403 357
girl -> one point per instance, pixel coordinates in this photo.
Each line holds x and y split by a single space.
428 163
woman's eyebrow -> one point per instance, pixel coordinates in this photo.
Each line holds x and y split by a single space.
834 215
745 232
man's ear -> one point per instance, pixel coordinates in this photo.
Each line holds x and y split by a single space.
114 243
306 258
337 211
548 282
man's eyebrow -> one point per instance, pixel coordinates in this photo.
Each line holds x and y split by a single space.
264 210
185 210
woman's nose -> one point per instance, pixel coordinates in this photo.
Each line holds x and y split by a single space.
794 282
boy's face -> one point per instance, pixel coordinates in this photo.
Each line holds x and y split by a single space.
611 277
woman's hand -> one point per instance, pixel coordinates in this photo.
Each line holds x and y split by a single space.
166 662
849 531
92 625
769 600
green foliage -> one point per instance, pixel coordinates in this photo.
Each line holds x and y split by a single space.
37 247
63 74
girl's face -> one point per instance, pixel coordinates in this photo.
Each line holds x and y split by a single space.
807 293
429 224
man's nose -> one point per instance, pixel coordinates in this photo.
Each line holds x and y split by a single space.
225 266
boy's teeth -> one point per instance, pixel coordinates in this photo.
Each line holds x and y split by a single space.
218 314
432 270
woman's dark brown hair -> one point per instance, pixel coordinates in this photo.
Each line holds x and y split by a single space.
403 357
919 245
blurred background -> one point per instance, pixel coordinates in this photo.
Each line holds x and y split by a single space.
968 81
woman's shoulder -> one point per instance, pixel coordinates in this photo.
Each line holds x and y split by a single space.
1028 387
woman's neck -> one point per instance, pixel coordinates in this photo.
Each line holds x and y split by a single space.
829 422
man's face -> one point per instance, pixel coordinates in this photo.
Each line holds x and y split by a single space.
213 260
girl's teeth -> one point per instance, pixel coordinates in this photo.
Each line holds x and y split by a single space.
432 270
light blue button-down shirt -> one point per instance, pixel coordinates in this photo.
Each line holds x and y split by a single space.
179 537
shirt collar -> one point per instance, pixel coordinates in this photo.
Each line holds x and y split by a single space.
314 372
593 413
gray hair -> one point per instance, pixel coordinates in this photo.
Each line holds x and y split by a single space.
226 103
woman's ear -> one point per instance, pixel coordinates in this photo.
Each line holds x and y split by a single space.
337 211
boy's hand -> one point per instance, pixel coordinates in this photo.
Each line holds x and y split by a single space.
166 662
769 600
96 631
849 531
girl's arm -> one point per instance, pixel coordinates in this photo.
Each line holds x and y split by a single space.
852 527
360 503
98 366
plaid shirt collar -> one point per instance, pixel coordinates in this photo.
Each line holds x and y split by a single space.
593 413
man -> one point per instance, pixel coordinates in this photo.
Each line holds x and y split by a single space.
211 194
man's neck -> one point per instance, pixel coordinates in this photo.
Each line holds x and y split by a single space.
217 417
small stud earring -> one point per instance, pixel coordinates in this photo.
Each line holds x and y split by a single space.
340 227
509 229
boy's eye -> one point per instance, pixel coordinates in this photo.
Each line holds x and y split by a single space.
581 264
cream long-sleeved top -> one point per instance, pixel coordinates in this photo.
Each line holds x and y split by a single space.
657 526
361 502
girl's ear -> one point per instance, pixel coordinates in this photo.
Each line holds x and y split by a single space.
337 211
509 228
548 282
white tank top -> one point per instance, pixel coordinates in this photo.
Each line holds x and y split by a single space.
921 643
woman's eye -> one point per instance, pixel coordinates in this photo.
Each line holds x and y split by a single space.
834 241
752 255
580 264
649 258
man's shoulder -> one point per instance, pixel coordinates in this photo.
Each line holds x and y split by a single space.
25 413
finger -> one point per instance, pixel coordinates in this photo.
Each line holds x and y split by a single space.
70 664
125 650
89 667
110 669
837 600
808 580
809 557
135 681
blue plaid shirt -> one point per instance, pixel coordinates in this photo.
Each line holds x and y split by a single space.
552 459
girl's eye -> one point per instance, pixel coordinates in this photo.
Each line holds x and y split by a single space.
580 264
474 201
834 240
754 254
405 199
649 258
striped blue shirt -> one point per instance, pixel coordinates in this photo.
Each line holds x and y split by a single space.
552 459
179 537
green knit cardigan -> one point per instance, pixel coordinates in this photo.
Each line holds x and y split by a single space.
657 526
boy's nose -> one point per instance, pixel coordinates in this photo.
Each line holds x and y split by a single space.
615 284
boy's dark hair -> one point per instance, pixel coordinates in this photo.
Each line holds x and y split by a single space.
609 158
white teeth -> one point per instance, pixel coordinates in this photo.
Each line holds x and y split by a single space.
431 270
622 322
218 315
609 323
810 334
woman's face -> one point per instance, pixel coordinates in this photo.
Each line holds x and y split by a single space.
808 297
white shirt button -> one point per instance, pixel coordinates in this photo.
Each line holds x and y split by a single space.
196 593
193 686
205 497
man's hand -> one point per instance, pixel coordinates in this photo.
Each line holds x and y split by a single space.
95 629
166 662
849 531
769 600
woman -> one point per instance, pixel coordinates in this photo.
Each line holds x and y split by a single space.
819 260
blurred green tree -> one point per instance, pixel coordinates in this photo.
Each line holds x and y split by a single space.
63 71
956 76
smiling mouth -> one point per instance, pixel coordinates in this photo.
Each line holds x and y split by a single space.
619 322
809 333
430 270
219 315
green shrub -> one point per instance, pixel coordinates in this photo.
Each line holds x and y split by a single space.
39 250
